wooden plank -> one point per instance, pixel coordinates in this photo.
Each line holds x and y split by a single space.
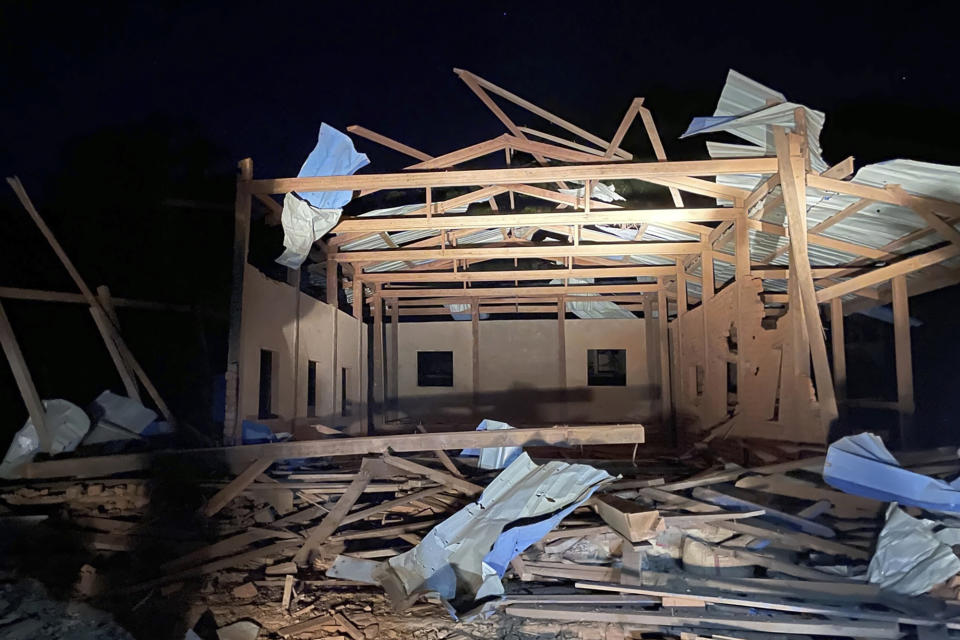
517 274
388 142
651 128
307 625
882 274
903 356
521 175
809 464
461 485
551 250
726 500
21 373
362 445
520 292
625 123
442 456
39 295
287 592
236 486
104 326
799 540
363 514
845 505
331 521
792 175
759 603
108 331
510 220
223 547
770 624
543 113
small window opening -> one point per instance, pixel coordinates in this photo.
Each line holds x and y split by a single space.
345 408
311 388
731 384
700 374
607 367
265 405
435 368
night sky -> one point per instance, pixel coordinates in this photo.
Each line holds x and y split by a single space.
109 110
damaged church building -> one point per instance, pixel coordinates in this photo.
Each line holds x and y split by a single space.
536 385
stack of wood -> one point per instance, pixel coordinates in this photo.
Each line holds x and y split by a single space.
670 548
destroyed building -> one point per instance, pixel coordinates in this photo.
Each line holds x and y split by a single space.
656 381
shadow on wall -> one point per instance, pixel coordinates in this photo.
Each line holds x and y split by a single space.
526 405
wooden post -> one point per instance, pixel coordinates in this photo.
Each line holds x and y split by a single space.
378 413
839 350
122 366
742 275
707 286
901 332
666 405
332 293
21 374
682 303
357 294
562 344
107 330
241 239
475 350
393 377
793 183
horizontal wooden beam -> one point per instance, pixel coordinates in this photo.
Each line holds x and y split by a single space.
883 274
522 292
519 274
820 241
40 295
507 220
608 171
428 302
502 309
564 436
543 250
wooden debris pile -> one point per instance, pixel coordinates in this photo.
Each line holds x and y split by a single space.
669 548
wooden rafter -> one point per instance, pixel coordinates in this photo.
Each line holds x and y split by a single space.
611 171
520 292
487 251
520 274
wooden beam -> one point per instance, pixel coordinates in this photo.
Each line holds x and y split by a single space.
882 274
388 142
394 377
543 113
40 295
523 292
519 274
558 140
839 348
236 486
654 136
508 220
440 477
666 404
475 348
542 250
823 241
562 343
109 333
792 177
544 309
319 534
11 348
332 293
522 175
904 364
357 298
241 239
569 436
378 369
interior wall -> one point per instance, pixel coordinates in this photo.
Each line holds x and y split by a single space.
298 329
519 378
773 397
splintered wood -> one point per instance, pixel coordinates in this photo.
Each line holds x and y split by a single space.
693 549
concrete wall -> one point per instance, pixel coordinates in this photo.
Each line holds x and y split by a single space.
297 329
520 375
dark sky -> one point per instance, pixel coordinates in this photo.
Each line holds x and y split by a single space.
110 109
258 78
